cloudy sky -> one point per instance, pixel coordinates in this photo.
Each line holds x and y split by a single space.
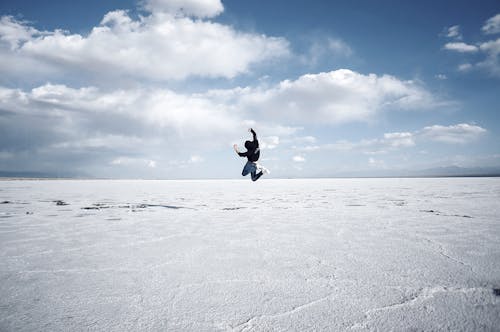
163 88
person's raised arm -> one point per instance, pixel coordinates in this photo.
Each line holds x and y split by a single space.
253 133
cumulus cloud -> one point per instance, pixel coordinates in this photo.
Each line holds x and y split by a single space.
338 46
299 159
492 61
461 47
336 97
328 98
453 32
377 163
269 142
492 25
131 127
14 32
464 67
198 8
127 161
160 46
461 133
489 49
92 130
397 140
194 159
389 142
121 122
58 117
454 134
300 140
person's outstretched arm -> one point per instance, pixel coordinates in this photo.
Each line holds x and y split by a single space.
241 154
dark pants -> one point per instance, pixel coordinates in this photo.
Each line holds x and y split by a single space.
251 168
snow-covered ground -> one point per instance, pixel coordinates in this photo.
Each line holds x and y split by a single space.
275 255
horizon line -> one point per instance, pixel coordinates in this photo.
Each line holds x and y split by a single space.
48 178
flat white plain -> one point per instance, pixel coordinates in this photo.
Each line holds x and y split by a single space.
232 255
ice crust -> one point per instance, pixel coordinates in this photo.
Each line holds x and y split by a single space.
231 255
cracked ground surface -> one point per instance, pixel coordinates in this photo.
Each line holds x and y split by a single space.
276 255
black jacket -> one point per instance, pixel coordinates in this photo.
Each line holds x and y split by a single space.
253 150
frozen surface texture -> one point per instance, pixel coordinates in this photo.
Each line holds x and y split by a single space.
275 255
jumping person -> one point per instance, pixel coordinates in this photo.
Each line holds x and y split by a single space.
252 154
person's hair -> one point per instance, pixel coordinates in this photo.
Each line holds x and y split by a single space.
248 145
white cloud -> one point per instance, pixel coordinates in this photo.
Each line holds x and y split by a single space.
120 161
492 25
441 77
461 47
300 140
298 159
134 126
92 117
160 46
121 122
397 140
128 161
308 139
269 142
14 32
342 145
489 49
377 163
464 67
460 133
492 61
195 159
453 32
336 97
308 148
339 47
389 142
322 48
198 8
106 141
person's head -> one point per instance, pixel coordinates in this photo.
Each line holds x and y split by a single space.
248 145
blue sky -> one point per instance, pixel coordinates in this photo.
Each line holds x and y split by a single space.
163 88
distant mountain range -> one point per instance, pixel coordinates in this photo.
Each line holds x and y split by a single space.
460 171
450 171
35 175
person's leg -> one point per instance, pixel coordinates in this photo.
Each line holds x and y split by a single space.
255 177
251 168
247 169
